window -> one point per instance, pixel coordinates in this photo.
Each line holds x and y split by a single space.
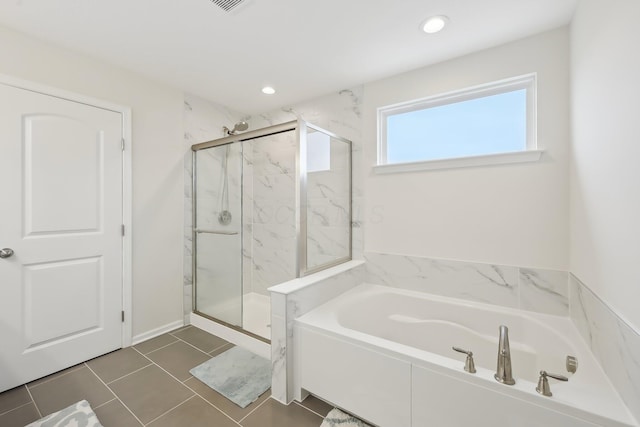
493 123
318 151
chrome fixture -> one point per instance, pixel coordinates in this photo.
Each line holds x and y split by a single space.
503 371
469 366
225 217
224 233
572 364
238 127
6 252
543 383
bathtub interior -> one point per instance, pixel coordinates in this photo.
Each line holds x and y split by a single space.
437 326
424 327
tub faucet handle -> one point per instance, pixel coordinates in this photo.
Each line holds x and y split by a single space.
469 366
543 383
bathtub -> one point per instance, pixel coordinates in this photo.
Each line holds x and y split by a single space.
385 355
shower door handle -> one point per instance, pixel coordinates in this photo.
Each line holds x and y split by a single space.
226 233
6 253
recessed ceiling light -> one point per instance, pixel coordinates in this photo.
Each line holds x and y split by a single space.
434 24
268 90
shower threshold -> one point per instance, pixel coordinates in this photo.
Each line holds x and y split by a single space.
234 334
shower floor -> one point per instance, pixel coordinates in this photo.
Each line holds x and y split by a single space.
256 313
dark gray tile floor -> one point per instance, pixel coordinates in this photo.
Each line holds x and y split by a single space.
149 384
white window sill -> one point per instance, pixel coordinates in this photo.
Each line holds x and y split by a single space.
461 162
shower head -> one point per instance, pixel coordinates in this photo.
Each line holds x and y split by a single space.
238 127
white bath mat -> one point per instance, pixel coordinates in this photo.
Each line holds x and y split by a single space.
337 418
77 415
237 374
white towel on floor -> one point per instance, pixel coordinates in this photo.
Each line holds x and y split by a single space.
337 418
77 415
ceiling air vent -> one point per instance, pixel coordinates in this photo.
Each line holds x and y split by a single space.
227 5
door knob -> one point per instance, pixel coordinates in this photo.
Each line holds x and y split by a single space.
6 252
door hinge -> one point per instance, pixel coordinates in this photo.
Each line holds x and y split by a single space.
123 315
122 144
123 229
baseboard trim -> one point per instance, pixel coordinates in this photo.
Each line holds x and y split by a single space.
137 339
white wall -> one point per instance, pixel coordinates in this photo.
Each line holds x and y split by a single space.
157 163
513 214
605 152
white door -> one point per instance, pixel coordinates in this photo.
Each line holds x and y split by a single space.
61 216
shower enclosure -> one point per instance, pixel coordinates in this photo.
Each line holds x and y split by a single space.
269 205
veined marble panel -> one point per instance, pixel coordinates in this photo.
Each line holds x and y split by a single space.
341 114
293 305
488 283
327 185
269 164
615 344
276 186
274 211
544 291
274 255
326 244
279 358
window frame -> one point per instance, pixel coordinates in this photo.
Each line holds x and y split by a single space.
530 153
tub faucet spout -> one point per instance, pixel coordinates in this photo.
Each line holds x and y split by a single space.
503 371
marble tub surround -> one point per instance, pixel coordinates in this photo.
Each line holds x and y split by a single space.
614 343
293 299
539 290
544 291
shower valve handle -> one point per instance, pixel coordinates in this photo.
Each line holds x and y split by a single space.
469 365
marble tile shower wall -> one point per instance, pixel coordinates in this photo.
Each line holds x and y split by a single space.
328 219
264 175
614 343
270 243
339 113
543 291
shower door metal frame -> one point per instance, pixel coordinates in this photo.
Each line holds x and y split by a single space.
301 199
301 128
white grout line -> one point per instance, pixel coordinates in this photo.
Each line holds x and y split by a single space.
255 409
159 348
180 329
228 344
309 409
199 349
17 407
130 373
195 392
105 403
183 341
166 412
72 369
34 401
208 353
211 404
151 362
116 396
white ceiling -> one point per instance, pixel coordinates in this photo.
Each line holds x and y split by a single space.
302 48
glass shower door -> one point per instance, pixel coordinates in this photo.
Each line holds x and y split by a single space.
218 233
